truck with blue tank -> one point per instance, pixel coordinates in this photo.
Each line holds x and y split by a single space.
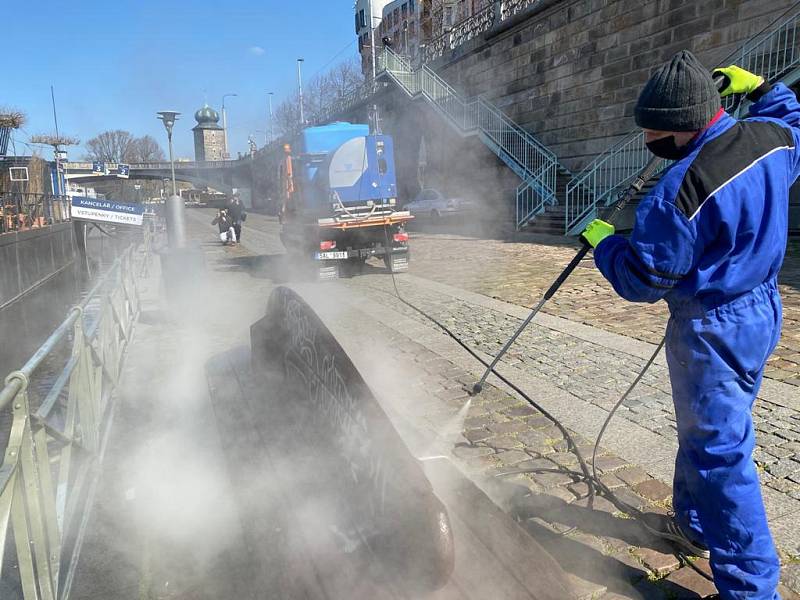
339 204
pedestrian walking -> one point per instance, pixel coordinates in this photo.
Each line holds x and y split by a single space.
237 214
710 239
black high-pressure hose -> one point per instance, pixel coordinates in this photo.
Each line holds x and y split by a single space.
592 481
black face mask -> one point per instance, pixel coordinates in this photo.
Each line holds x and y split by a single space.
666 148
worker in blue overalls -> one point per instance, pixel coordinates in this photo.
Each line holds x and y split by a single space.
710 239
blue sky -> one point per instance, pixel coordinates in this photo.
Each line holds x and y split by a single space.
113 65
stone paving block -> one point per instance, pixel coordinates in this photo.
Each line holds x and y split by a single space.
511 457
606 464
503 442
579 489
689 579
653 489
538 421
584 589
520 411
551 480
660 563
477 421
611 481
534 439
590 541
630 498
632 475
508 427
476 435
564 459
790 575
784 468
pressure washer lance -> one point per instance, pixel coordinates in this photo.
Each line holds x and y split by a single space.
635 187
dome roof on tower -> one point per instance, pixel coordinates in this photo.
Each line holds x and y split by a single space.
206 115
207 118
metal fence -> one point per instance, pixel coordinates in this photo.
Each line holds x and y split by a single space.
20 211
58 438
774 53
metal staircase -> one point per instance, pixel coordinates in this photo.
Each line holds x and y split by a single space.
537 166
774 53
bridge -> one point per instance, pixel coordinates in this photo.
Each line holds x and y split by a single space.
221 175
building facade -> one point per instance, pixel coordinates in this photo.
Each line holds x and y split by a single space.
409 25
362 15
209 137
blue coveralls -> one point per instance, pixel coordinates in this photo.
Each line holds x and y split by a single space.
710 239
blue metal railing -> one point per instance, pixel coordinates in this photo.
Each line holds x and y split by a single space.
774 53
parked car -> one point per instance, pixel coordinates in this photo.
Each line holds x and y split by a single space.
435 206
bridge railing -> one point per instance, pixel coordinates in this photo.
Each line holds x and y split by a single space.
160 165
58 437
20 211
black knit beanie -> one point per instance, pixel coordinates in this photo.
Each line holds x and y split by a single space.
680 96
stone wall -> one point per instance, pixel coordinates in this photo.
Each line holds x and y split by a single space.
570 71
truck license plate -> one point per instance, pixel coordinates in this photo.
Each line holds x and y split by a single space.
330 255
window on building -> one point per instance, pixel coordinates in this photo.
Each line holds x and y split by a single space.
448 16
404 11
412 29
411 6
396 15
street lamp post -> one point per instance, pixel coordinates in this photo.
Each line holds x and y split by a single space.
372 38
271 119
300 88
176 231
226 155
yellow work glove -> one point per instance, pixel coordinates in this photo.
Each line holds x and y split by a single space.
597 231
738 80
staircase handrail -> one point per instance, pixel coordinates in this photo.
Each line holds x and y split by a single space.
535 164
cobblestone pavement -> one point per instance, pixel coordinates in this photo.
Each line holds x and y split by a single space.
600 375
520 272
576 372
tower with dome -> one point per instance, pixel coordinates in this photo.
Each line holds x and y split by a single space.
209 137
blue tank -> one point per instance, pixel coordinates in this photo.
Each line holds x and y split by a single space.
342 162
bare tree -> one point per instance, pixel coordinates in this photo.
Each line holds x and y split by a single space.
345 76
144 149
287 116
110 146
12 118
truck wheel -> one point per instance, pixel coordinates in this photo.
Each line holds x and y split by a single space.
328 271
396 263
